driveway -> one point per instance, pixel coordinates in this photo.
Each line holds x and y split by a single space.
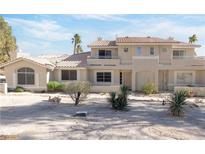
31 116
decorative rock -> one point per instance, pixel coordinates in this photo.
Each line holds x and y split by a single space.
54 99
80 114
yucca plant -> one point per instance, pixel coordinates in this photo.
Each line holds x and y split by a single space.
177 103
112 99
119 102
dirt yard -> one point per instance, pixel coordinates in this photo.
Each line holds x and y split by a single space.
31 116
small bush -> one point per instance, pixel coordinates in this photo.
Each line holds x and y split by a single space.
149 88
54 86
119 102
177 102
19 89
77 90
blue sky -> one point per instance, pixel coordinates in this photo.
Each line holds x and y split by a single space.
51 34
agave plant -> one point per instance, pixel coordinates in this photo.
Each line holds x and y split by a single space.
177 103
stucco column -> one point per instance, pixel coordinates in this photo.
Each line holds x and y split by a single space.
156 79
133 81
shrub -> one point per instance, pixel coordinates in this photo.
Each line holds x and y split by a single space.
54 86
19 89
149 88
78 91
177 102
119 102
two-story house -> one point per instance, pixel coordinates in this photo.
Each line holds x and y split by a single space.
133 61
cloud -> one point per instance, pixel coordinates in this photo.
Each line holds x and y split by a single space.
101 17
44 29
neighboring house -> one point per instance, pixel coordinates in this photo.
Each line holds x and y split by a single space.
133 61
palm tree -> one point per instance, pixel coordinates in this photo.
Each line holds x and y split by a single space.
76 41
193 39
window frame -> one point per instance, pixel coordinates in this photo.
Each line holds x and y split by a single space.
24 73
106 77
150 51
68 75
107 54
138 51
179 55
185 72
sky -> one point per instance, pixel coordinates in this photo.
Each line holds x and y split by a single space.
51 34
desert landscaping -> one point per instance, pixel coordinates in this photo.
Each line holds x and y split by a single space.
32 116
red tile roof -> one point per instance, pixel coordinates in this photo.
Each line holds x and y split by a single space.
144 40
77 60
103 43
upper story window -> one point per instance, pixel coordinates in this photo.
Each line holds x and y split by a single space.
125 49
138 51
178 54
69 75
105 54
26 76
151 51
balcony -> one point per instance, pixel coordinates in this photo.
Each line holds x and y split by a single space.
103 60
142 63
188 61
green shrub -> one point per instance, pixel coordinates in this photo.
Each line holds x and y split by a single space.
77 90
119 102
54 86
177 102
19 89
149 88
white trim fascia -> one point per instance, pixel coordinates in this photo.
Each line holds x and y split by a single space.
145 57
69 68
28 60
101 47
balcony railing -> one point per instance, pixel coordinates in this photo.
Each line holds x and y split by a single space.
103 57
189 57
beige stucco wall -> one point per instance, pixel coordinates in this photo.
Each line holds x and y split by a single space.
144 77
81 74
200 77
126 57
115 76
40 75
127 79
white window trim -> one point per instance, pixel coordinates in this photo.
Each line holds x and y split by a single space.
60 75
193 76
25 85
104 83
136 52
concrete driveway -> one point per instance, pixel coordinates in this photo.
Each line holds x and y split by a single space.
31 116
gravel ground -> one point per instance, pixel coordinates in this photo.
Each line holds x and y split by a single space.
31 116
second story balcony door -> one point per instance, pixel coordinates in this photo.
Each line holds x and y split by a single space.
105 54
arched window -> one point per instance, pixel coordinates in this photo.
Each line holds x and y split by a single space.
25 76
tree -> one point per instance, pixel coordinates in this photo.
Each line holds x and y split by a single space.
77 90
193 38
7 41
76 41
